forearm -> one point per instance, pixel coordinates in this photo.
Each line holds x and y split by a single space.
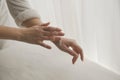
32 22
9 33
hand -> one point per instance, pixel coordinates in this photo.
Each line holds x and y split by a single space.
37 34
70 46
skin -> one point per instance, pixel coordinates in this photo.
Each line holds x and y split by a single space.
67 45
34 35
71 47
35 32
38 33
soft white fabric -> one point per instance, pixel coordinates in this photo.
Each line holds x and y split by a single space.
19 9
95 24
22 61
101 31
88 22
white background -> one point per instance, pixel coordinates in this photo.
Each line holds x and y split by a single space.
95 24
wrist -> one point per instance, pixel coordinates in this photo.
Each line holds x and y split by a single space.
21 34
17 34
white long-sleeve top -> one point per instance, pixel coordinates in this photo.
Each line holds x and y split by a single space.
19 9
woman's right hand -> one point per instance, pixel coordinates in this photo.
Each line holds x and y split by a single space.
37 34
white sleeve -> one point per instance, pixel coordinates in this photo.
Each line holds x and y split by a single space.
21 10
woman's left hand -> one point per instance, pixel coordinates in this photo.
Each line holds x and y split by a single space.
71 47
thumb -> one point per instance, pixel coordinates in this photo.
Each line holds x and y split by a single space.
44 45
45 24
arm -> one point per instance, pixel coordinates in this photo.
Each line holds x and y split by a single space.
32 22
25 16
63 44
9 33
33 35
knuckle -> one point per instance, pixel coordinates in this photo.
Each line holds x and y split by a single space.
54 33
37 28
80 49
76 55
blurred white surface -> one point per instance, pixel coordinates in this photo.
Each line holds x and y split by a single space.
95 24
19 61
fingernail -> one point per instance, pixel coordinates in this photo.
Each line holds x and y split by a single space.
72 62
59 29
82 59
49 47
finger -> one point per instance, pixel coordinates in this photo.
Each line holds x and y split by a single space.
46 33
46 37
44 45
51 38
56 39
73 53
58 33
66 49
45 24
52 29
82 55
78 49
74 59
55 33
